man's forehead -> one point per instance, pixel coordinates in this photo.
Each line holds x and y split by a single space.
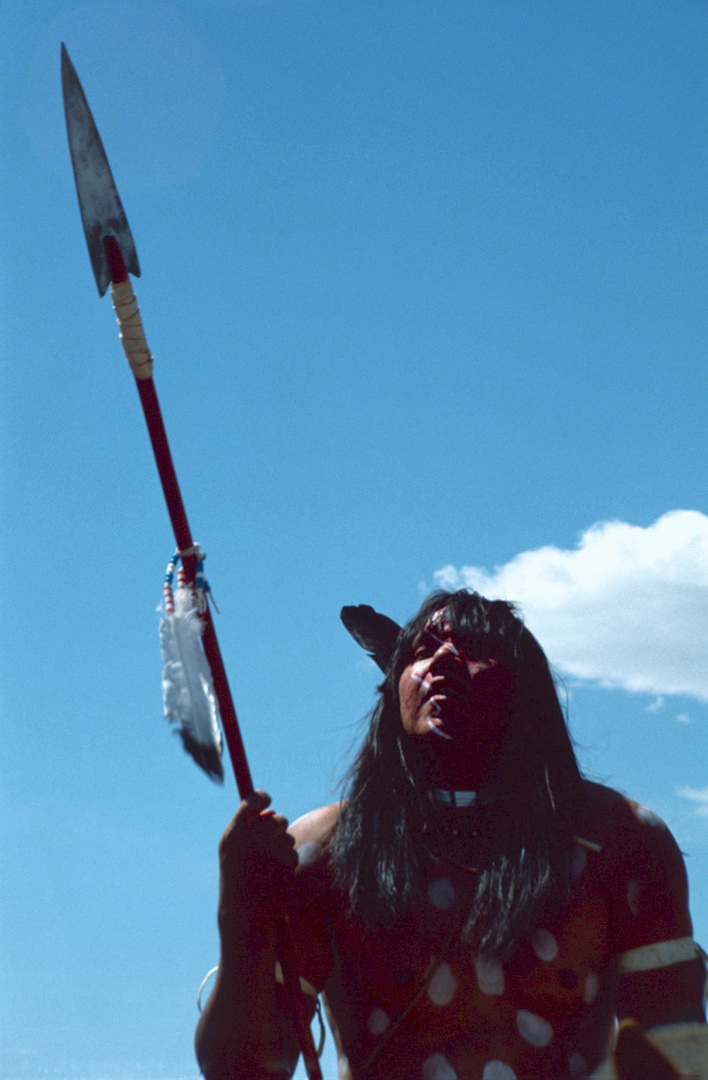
440 625
439 622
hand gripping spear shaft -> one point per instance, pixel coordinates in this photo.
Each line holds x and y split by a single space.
113 257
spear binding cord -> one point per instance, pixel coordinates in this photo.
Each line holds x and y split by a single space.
132 333
138 354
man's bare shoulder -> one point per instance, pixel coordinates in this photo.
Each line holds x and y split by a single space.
313 834
636 843
606 811
317 826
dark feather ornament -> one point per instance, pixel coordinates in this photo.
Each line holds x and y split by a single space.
374 632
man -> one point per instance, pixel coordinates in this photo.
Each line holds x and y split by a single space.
474 910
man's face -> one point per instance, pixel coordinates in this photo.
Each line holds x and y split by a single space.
454 694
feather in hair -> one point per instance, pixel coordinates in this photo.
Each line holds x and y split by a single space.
374 632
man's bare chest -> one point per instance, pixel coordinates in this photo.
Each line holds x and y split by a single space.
419 1001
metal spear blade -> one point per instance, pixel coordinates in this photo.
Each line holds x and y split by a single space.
102 212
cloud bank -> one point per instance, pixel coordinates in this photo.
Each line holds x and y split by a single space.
698 796
627 608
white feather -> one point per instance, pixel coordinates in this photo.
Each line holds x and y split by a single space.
187 686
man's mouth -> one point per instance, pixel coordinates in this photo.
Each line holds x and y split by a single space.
445 688
440 716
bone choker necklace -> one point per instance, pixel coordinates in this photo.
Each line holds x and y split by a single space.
463 799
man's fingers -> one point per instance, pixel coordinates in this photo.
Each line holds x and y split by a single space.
272 824
271 836
253 806
258 829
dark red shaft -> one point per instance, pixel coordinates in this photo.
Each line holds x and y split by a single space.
229 720
232 734
183 536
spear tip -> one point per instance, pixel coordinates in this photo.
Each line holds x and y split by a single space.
102 212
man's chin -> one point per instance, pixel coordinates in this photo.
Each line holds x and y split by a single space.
449 723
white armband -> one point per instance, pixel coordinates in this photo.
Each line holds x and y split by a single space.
659 954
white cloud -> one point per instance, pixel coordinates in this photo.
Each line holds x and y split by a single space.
698 796
627 608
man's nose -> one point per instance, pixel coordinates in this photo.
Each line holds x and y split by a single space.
445 650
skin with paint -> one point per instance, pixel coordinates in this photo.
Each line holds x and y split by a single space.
419 999
454 706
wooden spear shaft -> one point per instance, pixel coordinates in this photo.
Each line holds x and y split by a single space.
134 343
113 257
140 360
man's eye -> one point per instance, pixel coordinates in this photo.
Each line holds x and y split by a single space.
428 645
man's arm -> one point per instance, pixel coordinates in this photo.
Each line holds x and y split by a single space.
661 971
244 1032
663 983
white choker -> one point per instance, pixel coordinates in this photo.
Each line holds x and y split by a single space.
461 798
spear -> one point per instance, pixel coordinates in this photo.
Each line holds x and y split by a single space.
113 258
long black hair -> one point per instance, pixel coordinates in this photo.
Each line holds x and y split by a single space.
377 854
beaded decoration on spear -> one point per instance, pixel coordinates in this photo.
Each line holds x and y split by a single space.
195 678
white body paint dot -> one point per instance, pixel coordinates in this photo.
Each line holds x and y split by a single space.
578 862
578 1067
437 1067
378 1021
633 891
497 1070
442 986
534 1029
441 894
649 817
308 853
544 945
490 975
280 1068
592 986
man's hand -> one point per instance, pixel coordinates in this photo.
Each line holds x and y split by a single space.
257 858
243 1026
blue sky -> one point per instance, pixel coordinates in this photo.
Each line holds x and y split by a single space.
425 283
